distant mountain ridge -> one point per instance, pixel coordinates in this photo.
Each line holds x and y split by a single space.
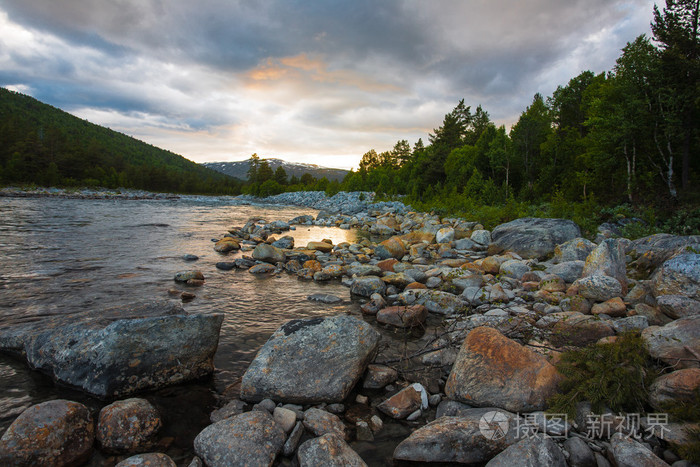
239 169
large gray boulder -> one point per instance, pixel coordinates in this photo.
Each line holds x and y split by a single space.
650 252
629 453
679 275
473 438
269 254
677 343
608 259
533 451
121 351
252 438
311 361
534 237
577 249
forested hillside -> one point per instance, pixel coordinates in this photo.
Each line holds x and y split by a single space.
630 135
44 145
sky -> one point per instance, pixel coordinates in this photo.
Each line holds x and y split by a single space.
314 81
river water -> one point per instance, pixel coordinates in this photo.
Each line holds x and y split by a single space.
62 256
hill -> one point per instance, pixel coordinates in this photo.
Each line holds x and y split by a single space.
43 145
239 169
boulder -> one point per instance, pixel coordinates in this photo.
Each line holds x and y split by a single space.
630 323
435 301
608 259
319 422
533 237
552 283
405 402
378 376
268 254
577 249
57 432
679 275
580 454
678 386
128 426
368 285
262 268
391 248
598 288
473 438
577 329
614 307
678 306
364 270
311 360
252 438
284 243
494 371
445 235
119 351
532 451
184 276
514 268
403 316
151 459
677 343
226 244
652 251
569 270
328 450
232 408
320 246
399 280
627 452
482 237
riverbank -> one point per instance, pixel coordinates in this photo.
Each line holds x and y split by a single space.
519 291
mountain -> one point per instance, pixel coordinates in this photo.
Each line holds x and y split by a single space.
43 145
239 169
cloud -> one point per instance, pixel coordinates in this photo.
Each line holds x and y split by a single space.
311 81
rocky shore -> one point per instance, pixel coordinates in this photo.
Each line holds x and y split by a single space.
495 309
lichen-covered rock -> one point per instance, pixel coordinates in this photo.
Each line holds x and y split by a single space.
569 270
598 288
577 329
435 301
120 351
677 343
629 453
252 438
494 371
405 402
311 360
652 251
532 451
679 275
368 285
678 386
614 307
328 450
262 268
319 422
608 259
678 306
324 247
184 276
514 268
403 316
472 438
378 376
391 248
577 249
128 426
226 244
57 432
533 237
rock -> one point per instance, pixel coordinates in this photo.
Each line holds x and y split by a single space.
378 376
391 248
263 268
232 408
311 360
475 437
653 315
608 259
328 450
498 295
678 386
319 422
368 285
225 265
652 251
572 328
482 237
435 301
534 451
284 243
252 438
494 371
552 283
450 408
629 453
598 288
387 264
269 254
679 275
569 271
364 270
184 276
151 459
514 268
492 264
57 432
580 454
399 280
677 343
119 351
190 257
320 246
445 235
285 418
293 440
226 244
324 298
631 323
532 237
403 316
614 307
405 402
577 249
128 426
678 306
466 244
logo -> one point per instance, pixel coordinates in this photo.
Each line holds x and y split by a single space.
493 425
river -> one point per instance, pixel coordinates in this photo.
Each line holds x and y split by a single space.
62 256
